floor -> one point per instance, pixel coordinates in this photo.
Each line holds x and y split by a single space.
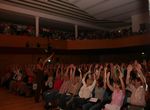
9 101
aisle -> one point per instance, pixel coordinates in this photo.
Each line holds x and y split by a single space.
9 101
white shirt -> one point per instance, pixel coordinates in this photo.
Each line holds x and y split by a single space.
86 91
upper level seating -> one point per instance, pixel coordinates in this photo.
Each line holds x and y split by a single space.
29 30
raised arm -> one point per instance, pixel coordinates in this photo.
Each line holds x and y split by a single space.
140 74
83 79
121 80
72 71
79 69
105 77
98 71
62 69
48 58
91 87
108 82
129 69
67 70
112 67
57 71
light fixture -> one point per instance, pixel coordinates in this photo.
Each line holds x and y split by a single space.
142 53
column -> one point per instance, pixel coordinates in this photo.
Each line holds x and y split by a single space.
76 31
37 26
149 5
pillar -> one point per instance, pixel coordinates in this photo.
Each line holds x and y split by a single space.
76 31
37 26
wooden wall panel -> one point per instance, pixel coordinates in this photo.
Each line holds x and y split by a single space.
20 41
111 43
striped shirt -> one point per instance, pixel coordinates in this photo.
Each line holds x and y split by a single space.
64 87
73 89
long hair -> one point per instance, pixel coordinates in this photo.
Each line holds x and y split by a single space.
38 59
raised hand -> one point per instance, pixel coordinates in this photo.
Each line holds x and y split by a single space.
108 82
91 65
108 74
79 69
105 69
96 66
101 67
120 74
129 68
138 67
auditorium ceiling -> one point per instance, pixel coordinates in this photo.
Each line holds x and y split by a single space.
105 14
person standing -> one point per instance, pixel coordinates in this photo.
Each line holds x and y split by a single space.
39 76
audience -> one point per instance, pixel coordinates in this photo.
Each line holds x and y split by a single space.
56 34
86 86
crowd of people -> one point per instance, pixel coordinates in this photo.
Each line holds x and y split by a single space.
56 34
100 87
16 29
18 79
83 86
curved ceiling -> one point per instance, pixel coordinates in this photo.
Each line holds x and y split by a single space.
101 13
112 13
115 10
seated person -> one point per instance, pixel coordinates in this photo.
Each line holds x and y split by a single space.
137 87
75 84
118 94
85 91
98 93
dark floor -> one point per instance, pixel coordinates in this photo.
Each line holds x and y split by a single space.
9 101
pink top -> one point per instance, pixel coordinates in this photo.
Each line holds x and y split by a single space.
118 97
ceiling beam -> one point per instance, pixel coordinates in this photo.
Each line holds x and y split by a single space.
113 8
48 16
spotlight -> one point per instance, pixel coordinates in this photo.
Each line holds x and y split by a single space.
49 60
142 53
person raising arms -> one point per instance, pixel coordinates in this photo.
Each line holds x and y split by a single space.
137 86
118 94
39 76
